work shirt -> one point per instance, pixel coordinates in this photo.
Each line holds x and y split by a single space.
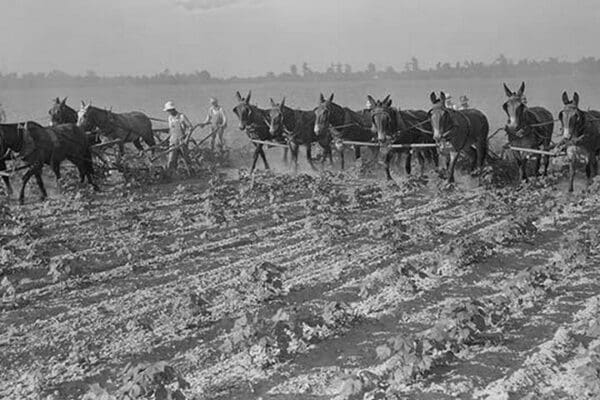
216 117
178 125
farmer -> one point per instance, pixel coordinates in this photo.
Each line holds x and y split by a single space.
179 127
217 119
449 102
464 102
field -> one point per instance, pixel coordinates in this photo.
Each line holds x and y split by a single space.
331 285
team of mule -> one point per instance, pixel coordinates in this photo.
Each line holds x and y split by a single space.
427 135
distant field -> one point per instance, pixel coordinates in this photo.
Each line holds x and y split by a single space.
486 94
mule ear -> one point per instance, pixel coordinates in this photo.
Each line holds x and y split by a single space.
433 98
321 98
249 97
507 90
331 97
371 99
565 98
387 101
57 100
239 97
64 101
273 104
576 99
82 104
443 98
282 104
521 89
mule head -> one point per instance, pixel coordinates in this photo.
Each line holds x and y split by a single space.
276 117
383 118
84 117
243 110
572 119
59 112
439 116
323 114
515 106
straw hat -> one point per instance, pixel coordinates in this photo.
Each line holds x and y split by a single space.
169 105
464 98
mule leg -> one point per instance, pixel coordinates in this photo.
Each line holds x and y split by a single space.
538 163
261 152
522 164
452 163
388 161
421 160
546 163
294 153
571 174
26 178
138 145
9 190
40 182
407 162
285 156
255 157
342 159
309 156
56 170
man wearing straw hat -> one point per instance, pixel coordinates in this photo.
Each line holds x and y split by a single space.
217 119
179 127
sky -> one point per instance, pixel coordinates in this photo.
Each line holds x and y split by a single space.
251 37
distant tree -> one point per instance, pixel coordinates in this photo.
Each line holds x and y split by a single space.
347 69
294 70
371 69
306 71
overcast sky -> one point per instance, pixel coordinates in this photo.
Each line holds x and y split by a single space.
250 37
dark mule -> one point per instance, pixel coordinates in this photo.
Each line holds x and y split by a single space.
335 123
3 168
127 127
458 131
38 145
527 127
580 136
297 126
394 126
61 113
255 122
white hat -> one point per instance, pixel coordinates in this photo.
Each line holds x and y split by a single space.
169 105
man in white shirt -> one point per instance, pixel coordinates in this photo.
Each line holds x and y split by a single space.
179 128
217 119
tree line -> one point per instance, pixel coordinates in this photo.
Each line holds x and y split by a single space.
501 67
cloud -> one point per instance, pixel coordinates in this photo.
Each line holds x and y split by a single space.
206 5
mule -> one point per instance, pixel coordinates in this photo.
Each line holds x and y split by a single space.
394 126
527 127
38 145
458 131
580 136
335 123
255 122
131 127
61 113
297 126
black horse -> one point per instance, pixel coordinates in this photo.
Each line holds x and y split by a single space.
527 127
336 124
580 136
297 126
394 126
458 131
37 145
255 122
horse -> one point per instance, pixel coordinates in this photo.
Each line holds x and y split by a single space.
126 127
255 122
580 136
457 131
394 126
527 127
335 123
38 145
297 126
61 113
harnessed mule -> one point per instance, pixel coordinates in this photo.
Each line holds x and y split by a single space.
394 126
580 136
457 131
255 122
297 126
61 113
335 123
38 145
126 127
527 127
